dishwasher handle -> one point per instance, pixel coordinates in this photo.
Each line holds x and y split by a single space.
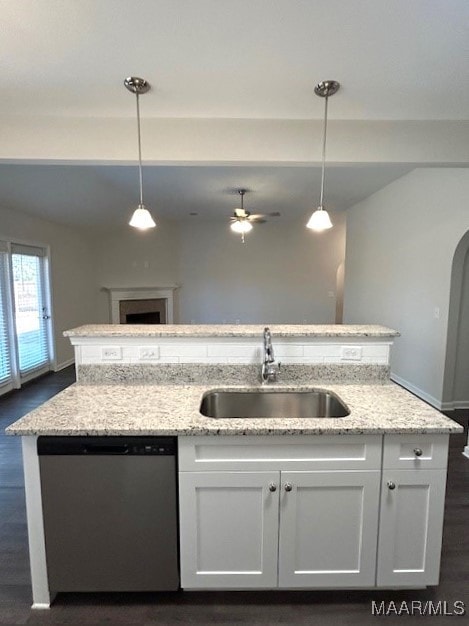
100 449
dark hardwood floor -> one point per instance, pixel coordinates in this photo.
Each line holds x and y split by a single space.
254 608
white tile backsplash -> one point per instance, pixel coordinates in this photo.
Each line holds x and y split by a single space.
232 350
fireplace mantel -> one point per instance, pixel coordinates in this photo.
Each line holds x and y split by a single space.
117 294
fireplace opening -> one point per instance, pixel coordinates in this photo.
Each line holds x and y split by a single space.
145 311
143 318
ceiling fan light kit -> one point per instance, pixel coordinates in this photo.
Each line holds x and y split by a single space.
141 217
320 220
240 221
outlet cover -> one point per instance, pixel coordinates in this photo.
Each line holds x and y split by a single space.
149 353
111 353
351 353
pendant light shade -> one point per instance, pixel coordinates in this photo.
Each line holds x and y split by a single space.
320 220
141 217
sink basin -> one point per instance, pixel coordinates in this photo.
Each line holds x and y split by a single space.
272 403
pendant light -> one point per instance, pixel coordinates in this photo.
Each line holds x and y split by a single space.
141 217
320 219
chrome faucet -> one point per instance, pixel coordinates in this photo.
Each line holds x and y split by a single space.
270 369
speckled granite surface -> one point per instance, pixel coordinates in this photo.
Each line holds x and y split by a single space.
229 330
174 410
172 373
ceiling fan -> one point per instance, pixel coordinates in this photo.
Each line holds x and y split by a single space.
242 220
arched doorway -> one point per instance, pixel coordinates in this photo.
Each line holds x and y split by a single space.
456 375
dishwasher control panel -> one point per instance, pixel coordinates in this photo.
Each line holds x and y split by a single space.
131 446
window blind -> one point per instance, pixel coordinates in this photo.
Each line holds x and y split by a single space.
5 355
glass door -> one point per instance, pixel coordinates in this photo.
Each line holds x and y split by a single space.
31 315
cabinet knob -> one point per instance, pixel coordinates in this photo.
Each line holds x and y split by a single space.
288 486
418 451
391 485
272 487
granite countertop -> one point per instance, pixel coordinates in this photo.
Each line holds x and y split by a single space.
229 330
174 410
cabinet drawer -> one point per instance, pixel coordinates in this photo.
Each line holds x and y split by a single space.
300 452
415 451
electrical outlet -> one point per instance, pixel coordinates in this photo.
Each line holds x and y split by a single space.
351 353
150 353
111 353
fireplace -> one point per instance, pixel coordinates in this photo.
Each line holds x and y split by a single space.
145 311
141 305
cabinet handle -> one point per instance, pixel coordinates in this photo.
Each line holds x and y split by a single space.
391 485
272 487
288 486
418 451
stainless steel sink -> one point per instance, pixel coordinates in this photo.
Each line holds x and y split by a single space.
272 403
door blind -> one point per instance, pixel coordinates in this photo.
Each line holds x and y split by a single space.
30 311
5 356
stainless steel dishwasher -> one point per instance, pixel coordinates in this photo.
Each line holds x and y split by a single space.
110 513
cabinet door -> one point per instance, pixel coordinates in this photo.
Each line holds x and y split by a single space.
328 529
229 529
411 525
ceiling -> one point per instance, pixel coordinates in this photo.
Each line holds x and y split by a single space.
104 195
257 59
236 58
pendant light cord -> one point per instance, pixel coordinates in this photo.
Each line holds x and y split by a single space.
323 172
139 151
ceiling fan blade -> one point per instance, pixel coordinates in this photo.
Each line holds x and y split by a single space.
257 216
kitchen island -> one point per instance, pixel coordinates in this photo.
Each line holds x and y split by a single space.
280 502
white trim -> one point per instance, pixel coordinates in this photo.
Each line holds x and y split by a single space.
418 392
40 606
116 294
466 451
455 404
64 364
6 387
37 545
35 372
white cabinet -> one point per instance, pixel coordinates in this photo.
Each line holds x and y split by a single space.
229 529
311 511
412 509
267 512
232 522
411 525
328 528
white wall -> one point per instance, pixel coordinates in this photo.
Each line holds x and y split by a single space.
72 271
131 258
400 247
216 140
282 274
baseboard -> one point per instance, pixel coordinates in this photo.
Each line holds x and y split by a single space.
466 451
64 364
456 404
416 391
